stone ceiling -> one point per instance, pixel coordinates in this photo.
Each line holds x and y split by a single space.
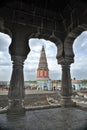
44 17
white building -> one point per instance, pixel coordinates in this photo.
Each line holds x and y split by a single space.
76 84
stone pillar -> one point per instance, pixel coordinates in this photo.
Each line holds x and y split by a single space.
65 58
66 88
66 81
16 91
18 50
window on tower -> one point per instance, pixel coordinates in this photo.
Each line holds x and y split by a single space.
45 73
41 73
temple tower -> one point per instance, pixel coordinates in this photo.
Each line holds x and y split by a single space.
43 81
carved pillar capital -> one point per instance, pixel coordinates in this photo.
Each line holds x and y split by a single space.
18 61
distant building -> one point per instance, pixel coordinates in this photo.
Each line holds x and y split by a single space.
30 84
4 85
76 84
56 85
43 80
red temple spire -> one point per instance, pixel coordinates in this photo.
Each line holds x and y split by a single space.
43 71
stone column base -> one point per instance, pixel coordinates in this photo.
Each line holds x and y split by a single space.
15 106
67 102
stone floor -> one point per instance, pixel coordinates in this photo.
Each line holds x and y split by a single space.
46 119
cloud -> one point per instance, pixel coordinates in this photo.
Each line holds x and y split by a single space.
33 58
5 73
78 68
29 74
80 44
5 41
55 75
5 59
37 46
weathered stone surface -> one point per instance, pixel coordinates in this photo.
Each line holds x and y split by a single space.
46 119
26 19
16 91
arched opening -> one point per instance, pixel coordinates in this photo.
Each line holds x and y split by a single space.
5 60
30 71
32 60
79 68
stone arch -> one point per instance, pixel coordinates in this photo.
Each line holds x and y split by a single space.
3 29
47 36
69 41
42 42
53 38
68 58
18 22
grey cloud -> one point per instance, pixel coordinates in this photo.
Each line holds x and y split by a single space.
5 64
78 69
79 73
78 48
55 75
30 74
4 42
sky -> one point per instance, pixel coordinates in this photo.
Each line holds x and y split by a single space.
78 68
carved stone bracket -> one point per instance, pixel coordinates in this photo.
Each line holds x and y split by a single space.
3 29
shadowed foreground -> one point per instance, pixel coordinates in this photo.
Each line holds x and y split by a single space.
46 119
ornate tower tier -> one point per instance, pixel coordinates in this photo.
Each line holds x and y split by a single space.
43 71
